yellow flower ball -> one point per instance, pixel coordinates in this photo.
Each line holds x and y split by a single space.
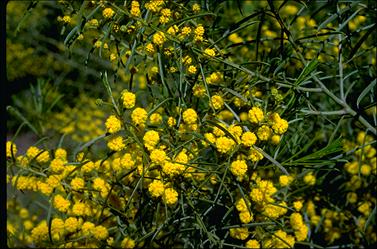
139 116
255 115
217 102
135 8
190 116
255 155
198 90
245 217
113 124
116 143
241 205
158 156
170 196
71 224
87 228
264 132
100 232
128 243
224 144
252 244
210 52
79 209
248 139
151 139
195 8
297 205
155 119
275 139
108 13
61 153
156 188
309 179
149 48
192 69
238 168
280 126
171 121
77 183
128 99
158 38
240 233
11 148
285 180
61 204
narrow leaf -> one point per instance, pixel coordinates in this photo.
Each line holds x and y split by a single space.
365 92
309 68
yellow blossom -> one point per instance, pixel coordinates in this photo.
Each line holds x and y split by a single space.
40 232
217 102
198 90
100 232
150 48
240 233
255 155
210 52
170 196
254 244
241 205
135 8
190 116
155 119
128 99
264 132
274 211
192 69
309 179
297 205
300 228
87 228
224 144
195 8
158 38
71 224
171 121
77 183
280 126
255 115
248 138
11 148
151 138
78 209
61 204
116 143
61 153
245 217
215 78
238 168
139 116
275 139
158 156
172 30
113 124
156 188
285 180
108 13
127 242
263 191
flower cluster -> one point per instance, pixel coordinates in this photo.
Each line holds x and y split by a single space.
191 146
